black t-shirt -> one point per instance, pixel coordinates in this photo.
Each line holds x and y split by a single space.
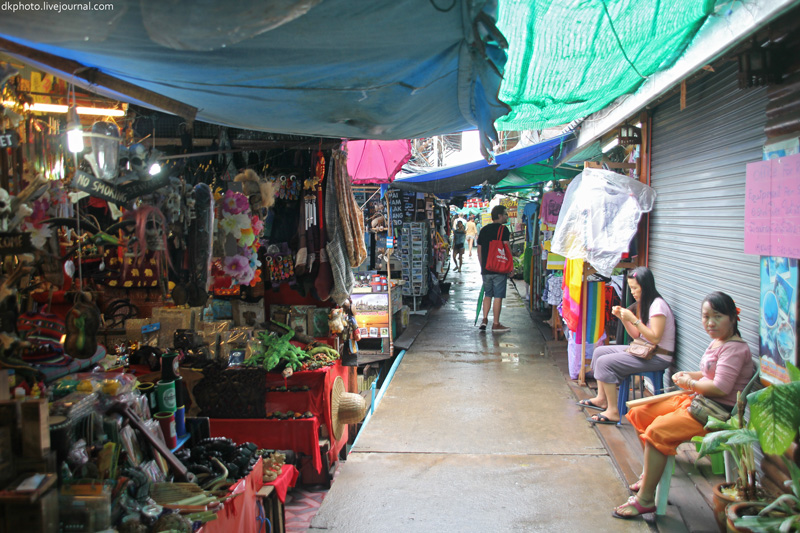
487 235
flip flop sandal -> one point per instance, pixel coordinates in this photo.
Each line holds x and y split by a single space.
588 404
634 487
632 502
601 419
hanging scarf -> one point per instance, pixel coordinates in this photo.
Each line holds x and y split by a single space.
350 214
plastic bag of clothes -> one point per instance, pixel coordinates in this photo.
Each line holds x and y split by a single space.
599 217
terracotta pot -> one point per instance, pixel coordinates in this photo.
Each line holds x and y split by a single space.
721 501
739 509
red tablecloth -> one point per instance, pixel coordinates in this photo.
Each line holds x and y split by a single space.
299 435
240 513
285 481
317 399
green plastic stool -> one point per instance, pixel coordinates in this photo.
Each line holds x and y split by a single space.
717 461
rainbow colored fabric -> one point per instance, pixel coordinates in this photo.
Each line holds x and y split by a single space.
595 313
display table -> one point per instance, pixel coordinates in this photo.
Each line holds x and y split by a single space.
298 435
301 435
284 482
240 513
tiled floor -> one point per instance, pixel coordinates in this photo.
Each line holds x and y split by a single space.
301 506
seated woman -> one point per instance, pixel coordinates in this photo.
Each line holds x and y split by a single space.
653 323
725 368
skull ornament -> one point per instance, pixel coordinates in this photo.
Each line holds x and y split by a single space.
5 209
154 234
137 156
172 206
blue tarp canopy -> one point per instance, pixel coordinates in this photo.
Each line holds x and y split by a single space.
383 69
462 177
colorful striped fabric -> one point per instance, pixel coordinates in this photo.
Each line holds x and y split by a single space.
595 313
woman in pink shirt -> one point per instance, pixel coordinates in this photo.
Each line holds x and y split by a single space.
725 368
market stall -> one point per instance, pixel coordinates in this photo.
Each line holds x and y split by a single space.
173 325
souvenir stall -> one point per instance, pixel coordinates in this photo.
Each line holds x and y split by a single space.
597 222
152 308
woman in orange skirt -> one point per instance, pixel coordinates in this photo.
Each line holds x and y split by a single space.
725 368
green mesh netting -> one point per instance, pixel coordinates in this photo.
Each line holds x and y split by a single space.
570 58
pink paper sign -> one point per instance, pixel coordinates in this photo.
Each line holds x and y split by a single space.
772 208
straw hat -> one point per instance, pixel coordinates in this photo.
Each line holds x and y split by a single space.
346 408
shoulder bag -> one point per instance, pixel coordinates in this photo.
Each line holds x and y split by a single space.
702 407
499 259
645 350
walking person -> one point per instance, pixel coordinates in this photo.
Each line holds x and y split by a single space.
494 284
472 233
459 236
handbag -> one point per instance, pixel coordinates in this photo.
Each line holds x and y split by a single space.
499 259
702 407
645 350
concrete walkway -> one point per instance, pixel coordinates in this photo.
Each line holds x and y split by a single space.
478 431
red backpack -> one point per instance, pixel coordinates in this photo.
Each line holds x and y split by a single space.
499 259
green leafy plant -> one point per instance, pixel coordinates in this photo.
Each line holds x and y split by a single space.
732 436
774 422
775 417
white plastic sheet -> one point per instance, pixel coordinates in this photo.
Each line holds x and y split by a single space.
599 217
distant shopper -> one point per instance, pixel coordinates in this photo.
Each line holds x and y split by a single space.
459 236
472 234
494 284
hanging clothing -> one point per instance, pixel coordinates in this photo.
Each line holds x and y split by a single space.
551 206
343 278
571 309
553 294
595 313
350 214
530 219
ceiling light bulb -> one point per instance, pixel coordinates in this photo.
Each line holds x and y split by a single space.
155 168
74 131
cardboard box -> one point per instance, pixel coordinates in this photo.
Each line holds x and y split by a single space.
35 428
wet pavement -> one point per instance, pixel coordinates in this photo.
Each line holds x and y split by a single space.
477 431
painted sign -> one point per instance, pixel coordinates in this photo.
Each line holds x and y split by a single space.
778 321
118 194
772 207
371 311
15 243
9 139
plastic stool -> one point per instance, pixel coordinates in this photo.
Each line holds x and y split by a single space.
662 490
658 386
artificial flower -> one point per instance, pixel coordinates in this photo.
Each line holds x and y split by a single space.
39 234
229 224
235 203
258 225
246 277
236 265
247 237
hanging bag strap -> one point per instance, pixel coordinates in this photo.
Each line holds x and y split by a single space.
500 233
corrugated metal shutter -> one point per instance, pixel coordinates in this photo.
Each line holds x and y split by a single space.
696 228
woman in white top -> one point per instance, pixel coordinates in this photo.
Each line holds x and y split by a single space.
653 323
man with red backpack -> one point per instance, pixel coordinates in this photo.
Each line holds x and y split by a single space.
494 254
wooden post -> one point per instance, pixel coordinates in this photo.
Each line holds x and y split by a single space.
584 290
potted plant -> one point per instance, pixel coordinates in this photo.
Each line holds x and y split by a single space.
737 439
775 416
774 422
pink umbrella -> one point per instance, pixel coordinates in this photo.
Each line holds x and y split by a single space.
376 161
